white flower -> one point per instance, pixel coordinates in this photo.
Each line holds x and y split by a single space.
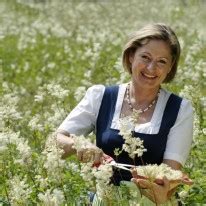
87 174
24 151
204 131
26 66
103 176
54 118
54 198
57 91
58 196
43 182
103 173
8 107
35 124
79 93
125 125
19 191
133 203
183 194
73 167
98 178
105 191
80 142
51 65
38 98
9 137
133 145
52 158
158 171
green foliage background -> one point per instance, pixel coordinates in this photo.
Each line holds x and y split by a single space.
76 44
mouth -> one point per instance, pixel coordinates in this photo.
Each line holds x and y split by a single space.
148 76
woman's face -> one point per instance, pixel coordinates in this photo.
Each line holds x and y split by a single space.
150 64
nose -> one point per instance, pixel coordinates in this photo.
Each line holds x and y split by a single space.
151 65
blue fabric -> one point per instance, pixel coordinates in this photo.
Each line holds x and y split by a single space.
91 196
108 139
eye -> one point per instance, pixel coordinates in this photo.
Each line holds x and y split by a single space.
162 61
145 57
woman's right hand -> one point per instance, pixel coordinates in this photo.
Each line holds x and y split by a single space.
90 154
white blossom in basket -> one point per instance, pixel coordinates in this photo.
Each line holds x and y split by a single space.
158 172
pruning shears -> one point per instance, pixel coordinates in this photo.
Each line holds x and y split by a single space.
110 161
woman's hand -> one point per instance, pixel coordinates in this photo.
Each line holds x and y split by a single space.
90 154
157 193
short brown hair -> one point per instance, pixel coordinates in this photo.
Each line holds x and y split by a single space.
156 31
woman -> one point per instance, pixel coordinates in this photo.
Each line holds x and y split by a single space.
165 120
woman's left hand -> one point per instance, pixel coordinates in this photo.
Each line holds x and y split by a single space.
157 193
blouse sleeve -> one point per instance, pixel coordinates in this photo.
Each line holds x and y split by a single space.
181 134
82 119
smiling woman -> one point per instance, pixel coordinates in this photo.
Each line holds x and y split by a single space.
165 121
150 64
159 32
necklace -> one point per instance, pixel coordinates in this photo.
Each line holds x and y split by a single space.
140 111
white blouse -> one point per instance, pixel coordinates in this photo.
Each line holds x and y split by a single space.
82 120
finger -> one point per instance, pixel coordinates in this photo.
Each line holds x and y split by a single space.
146 191
159 181
135 181
166 183
134 172
98 156
79 155
149 194
171 192
185 176
142 183
145 183
85 157
187 181
106 158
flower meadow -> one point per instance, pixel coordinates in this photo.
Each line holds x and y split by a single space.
51 52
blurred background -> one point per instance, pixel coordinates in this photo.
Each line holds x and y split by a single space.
53 50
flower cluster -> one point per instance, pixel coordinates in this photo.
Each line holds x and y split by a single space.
8 108
52 198
102 176
61 54
19 191
86 174
52 158
8 138
97 178
80 142
133 145
154 171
